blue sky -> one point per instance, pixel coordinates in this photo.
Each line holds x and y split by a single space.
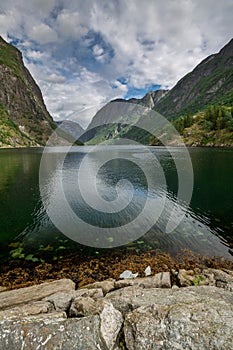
86 53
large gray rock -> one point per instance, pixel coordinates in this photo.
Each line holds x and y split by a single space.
130 298
51 331
24 295
196 318
52 334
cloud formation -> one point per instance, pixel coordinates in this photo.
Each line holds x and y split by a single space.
85 53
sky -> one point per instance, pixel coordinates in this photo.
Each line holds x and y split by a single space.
83 54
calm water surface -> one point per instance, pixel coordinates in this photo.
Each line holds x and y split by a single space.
206 228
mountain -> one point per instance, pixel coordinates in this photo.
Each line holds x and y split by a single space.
24 119
151 99
71 128
114 120
211 82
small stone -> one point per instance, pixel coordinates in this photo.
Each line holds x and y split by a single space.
82 306
175 286
50 315
185 277
61 301
106 286
165 280
94 293
148 271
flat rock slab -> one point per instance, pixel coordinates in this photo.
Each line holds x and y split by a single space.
35 308
52 334
129 298
25 295
160 280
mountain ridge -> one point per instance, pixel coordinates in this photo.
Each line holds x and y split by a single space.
210 82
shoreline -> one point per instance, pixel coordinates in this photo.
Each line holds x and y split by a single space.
83 270
170 146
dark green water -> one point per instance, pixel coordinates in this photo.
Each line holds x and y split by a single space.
207 227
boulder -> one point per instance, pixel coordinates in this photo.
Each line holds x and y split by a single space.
52 334
111 322
196 318
24 295
130 298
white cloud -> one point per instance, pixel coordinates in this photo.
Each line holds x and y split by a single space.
42 34
70 25
35 54
85 49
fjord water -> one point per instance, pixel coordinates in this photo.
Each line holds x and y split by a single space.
206 228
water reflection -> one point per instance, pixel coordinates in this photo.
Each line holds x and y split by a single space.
27 219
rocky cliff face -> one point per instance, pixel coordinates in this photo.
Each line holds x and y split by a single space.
21 99
210 82
151 99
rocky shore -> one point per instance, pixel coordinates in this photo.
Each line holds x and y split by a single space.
181 309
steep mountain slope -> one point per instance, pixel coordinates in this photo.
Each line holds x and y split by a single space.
209 83
22 101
